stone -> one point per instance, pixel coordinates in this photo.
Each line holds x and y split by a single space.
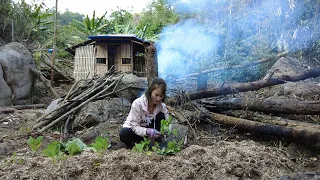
138 87
286 66
4 148
5 95
53 105
182 134
101 111
289 66
16 62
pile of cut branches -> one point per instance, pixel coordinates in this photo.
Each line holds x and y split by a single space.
78 96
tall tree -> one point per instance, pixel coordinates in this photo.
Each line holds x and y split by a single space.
92 26
5 20
157 15
66 17
32 23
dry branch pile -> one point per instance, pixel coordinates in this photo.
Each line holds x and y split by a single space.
77 97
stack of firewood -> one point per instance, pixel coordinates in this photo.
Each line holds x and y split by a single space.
77 97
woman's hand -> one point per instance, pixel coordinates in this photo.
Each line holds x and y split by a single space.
153 133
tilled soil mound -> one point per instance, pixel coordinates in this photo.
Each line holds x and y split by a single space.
223 160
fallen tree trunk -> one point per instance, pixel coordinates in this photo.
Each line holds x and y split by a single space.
269 119
250 86
311 132
286 106
6 110
56 69
238 66
27 106
10 109
45 81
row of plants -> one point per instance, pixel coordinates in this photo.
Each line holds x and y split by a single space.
57 150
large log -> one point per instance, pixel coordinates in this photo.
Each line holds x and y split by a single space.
45 61
311 132
238 66
271 119
286 106
250 86
26 106
45 81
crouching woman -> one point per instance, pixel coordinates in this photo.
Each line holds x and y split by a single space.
145 115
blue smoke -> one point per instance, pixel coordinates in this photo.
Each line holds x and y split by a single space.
184 45
219 29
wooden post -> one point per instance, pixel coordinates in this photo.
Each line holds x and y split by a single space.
202 82
54 43
151 62
12 30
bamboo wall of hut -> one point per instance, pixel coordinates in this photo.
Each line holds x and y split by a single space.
84 62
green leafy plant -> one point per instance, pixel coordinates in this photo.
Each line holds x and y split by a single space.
34 144
91 26
100 145
172 148
143 146
25 130
56 149
75 146
53 150
165 126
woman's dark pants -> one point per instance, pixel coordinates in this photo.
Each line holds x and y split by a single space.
128 137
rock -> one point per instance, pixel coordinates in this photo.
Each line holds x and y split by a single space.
16 62
53 105
5 90
286 66
4 148
289 67
182 131
89 135
104 129
139 85
101 111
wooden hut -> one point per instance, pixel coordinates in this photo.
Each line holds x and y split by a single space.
123 52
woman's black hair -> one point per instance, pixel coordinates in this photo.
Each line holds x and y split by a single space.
155 83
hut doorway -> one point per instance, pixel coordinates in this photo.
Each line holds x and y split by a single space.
139 65
112 56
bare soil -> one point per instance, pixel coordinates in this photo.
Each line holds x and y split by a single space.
221 153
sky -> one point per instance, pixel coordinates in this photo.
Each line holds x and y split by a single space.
87 7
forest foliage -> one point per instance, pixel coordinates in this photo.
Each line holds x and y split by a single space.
203 34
